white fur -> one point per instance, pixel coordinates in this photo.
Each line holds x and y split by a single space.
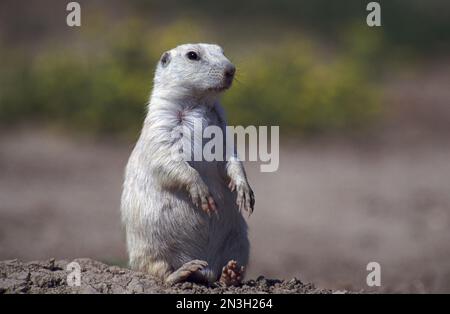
164 228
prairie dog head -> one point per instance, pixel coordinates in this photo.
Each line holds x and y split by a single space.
195 69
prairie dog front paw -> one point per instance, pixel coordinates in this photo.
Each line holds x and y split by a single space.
201 197
245 196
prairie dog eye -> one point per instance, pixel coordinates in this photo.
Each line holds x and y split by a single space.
192 55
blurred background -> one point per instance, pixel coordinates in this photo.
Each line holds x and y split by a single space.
364 116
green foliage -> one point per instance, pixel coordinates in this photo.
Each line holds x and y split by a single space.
292 85
105 87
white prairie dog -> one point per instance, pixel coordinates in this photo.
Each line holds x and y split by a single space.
167 203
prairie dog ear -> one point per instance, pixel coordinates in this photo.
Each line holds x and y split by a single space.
165 58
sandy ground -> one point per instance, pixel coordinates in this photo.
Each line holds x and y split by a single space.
332 207
329 210
51 276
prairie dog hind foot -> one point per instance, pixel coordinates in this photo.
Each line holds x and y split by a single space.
232 274
185 271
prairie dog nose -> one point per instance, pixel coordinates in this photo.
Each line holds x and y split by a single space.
229 71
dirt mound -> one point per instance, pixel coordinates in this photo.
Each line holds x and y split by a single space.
51 277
